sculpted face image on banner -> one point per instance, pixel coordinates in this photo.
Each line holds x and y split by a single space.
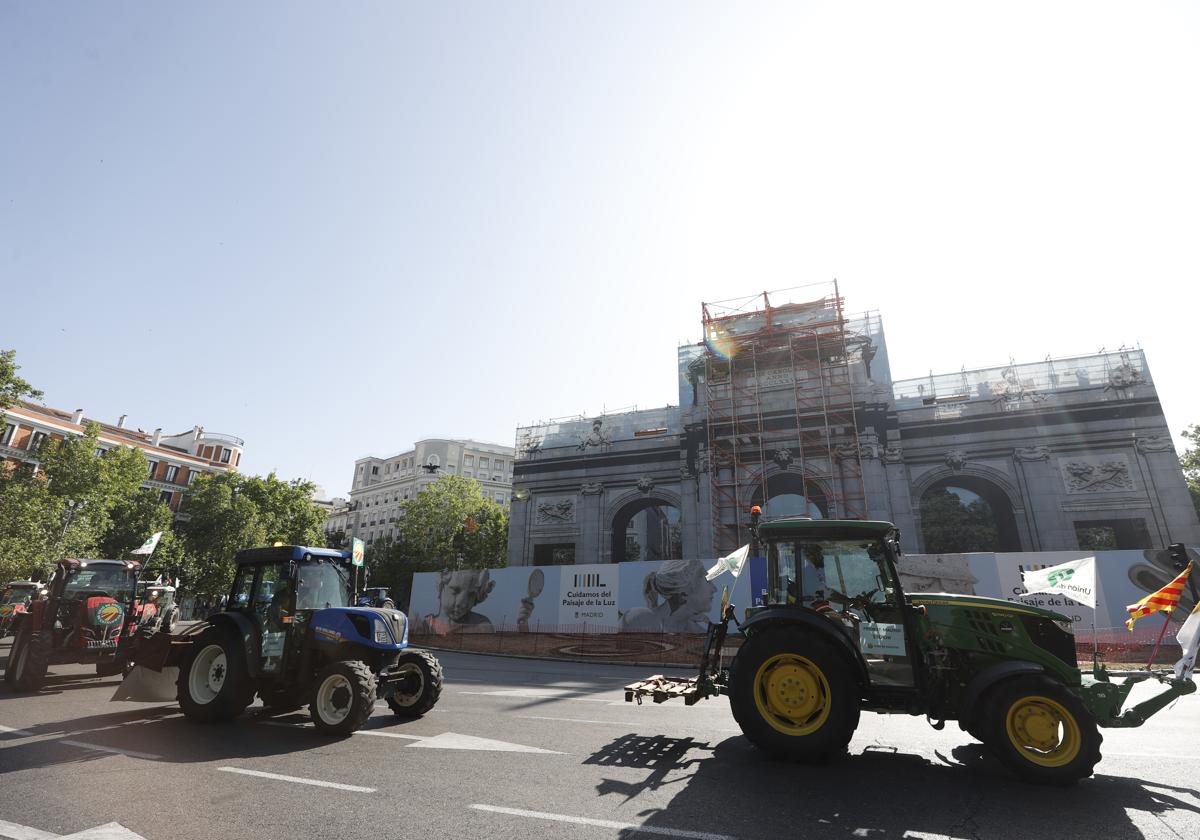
678 599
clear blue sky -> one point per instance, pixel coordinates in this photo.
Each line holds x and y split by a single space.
336 229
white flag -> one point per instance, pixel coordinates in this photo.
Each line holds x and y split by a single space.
1076 580
149 545
1189 639
731 563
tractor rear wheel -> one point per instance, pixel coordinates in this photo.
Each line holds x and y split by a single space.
425 684
1041 731
343 697
214 683
794 695
29 665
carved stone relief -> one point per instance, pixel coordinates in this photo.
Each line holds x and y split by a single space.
783 457
555 511
645 484
1099 474
1011 391
956 459
591 489
1123 377
1031 453
893 455
1155 443
597 438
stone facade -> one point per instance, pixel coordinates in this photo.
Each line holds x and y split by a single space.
1059 450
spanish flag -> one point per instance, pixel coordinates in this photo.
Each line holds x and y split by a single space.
1164 599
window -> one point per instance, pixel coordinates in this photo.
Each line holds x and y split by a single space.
483 463
556 554
153 468
192 477
375 470
467 474
100 450
165 497
1112 534
225 456
36 440
451 468
469 460
498 464
10 429
172 472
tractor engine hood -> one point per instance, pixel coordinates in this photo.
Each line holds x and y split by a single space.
980 602
369 625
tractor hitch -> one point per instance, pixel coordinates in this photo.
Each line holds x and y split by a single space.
1105 697
709 682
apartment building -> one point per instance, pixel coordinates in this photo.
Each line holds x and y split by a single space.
174 460
381 484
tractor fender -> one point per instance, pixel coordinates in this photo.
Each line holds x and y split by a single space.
836 632
244 629
986 679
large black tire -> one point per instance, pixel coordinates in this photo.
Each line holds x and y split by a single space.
20 637
794 694
30 664
1040 731
214 682
342 697
425 667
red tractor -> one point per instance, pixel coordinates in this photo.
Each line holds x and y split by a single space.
87 616
15 600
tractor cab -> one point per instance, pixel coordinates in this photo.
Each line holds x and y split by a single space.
89 601
844 573
375 596
155 607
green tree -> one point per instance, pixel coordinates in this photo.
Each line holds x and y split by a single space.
13 387
137 517
228 512
1190 461
950 526
65 507
449 525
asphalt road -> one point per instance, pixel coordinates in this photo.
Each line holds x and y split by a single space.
531 749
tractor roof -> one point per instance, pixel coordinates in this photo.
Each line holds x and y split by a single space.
83 561
21 584
829 529
284 553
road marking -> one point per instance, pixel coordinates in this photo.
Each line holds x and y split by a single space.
297 779
14 831
454 741
577 720
536 694
379 734
620 826
1108 754
117 751
20 733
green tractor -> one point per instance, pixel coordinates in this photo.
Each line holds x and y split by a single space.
837 635
291 635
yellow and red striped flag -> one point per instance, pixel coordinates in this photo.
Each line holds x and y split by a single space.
1164 599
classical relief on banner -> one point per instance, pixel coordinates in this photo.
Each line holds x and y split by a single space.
588 595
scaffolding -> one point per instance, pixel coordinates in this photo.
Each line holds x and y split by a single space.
781 407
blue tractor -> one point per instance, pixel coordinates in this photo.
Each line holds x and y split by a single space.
292 635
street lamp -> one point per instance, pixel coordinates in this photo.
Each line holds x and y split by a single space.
73 507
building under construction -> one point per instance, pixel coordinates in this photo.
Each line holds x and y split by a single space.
788 403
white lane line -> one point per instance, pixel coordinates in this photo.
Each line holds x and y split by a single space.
1149 756
115 750
15 831
620 826
379 734
297 780
577 720
20 733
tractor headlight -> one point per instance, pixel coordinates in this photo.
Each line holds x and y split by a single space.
1066 626
382 635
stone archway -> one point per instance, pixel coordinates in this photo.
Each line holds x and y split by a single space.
791 494
984 518
647 528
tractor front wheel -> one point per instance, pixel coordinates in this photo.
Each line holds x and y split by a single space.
423 685
214 683
28 666
794 695
1041 731
343 697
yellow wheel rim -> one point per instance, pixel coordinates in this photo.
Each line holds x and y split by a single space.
792 694
1043 731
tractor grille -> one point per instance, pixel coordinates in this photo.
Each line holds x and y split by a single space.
985 634
1050 637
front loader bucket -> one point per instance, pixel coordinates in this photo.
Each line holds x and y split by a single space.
144 685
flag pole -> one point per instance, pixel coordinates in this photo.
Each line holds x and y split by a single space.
1158 641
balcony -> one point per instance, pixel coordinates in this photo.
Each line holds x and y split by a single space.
219 438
